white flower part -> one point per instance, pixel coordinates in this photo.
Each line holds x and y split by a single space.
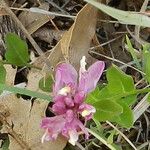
87 112
73 137
44 137
64 91
83 64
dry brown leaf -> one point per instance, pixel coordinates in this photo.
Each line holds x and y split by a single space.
76 42
23 124
10 76
21 118
3 12
24 116
47 35
33 21
35 75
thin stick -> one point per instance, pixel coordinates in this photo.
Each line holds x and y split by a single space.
56 6
13 16
104 141
20 25
45 12
103 44
80 146
8 127
117 61
140 41
137 28
42 11
131 144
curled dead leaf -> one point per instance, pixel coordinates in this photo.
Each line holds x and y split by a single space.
11 73
75 43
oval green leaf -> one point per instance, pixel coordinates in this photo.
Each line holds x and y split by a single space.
120 83
17 50
45 84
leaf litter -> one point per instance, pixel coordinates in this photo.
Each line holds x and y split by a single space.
23 121
24 116
69 48
20 117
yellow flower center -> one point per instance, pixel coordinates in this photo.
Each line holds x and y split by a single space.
64 91
85 113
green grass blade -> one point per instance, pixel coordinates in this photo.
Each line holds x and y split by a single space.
103 140
131 50
124 17
23 91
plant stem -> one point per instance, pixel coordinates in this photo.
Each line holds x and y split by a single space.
131 144
126 94
137 91
24 91
104 141
27 65
32 66
47 97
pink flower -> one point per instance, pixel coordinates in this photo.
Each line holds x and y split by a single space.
69 106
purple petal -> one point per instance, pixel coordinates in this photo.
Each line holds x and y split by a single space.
53 127
87 111
69 102
73 137
75 127
88 80
70 116
48 136
66 75
59 107
58 83
83 129
79 97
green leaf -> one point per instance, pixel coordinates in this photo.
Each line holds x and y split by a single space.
5 145
124 17
45 83
100 137
17 50
132 51
126 118
99 94
107 109
112 102
146 62
148 98
93 96
2 75
98 125
110 138
119 83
